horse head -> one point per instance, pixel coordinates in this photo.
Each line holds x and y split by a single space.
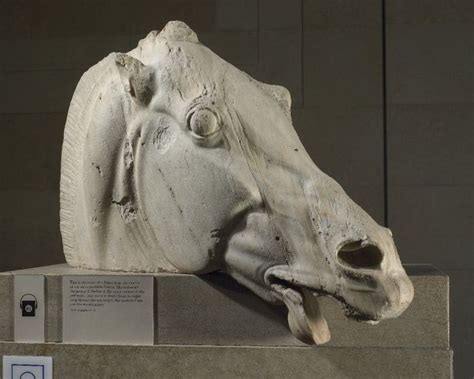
174 160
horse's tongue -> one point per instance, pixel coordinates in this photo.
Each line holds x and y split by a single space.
305 319
316 321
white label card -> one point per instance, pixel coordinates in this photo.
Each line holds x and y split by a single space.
28 294
112 309
26 367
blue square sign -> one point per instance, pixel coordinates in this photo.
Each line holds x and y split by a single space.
27 367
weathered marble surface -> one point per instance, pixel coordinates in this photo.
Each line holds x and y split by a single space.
174 160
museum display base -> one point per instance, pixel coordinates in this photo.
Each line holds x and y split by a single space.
209 326
179 361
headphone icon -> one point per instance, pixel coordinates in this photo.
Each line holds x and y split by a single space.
28 306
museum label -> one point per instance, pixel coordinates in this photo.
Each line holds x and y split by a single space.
100 309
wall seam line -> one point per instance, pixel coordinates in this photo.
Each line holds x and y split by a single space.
384 116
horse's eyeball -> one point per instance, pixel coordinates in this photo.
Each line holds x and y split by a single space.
204 122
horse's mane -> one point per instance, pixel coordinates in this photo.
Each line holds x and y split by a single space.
75 132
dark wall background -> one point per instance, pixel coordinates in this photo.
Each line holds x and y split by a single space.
383 99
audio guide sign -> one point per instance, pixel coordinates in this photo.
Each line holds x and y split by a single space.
29 308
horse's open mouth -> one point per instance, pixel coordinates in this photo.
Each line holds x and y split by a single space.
305 319
300 293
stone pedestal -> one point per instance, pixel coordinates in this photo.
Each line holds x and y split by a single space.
210 326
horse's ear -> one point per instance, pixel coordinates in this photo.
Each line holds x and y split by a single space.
137 78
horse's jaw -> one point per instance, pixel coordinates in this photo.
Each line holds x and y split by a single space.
255 258
375 296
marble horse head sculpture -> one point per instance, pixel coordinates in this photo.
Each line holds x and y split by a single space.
174 160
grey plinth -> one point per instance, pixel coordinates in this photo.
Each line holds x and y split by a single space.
210 326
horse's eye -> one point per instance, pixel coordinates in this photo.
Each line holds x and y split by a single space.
204 122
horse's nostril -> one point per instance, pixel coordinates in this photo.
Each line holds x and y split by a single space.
357 255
